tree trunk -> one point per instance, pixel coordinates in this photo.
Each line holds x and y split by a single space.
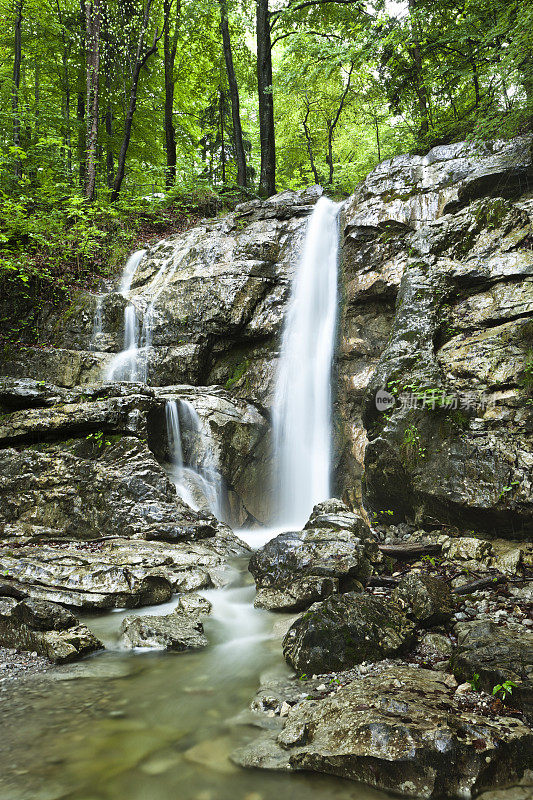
378 143
267 181
420 89
221 110
92 44
309 144
169 49
140 61
475 74
16 86
332 124
240 156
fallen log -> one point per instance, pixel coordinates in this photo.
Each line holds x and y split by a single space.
481 583
410 550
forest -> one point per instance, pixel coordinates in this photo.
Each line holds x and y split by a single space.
125 118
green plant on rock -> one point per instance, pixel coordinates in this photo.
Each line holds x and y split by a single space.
503 689
474 682
507 489
238 372
412 446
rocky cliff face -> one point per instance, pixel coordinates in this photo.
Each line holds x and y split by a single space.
438 300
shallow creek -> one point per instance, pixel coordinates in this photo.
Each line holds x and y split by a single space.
153 725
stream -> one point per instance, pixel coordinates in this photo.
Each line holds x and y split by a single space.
155 725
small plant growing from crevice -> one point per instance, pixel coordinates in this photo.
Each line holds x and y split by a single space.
503 689
474 682
412 446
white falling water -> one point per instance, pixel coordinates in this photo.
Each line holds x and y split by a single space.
197 482
302 403
97 323
129 271
125 367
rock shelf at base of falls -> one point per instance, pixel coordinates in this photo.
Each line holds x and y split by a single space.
411 600
401 729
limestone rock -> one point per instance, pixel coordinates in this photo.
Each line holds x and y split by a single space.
116 573
497 654
45 628
402 731
345 630
426 599
333 553
176 631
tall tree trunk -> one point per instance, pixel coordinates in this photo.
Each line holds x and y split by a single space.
169 57
332 124
221 111
475 73
240 156
92 22
16 87
140 61
420 88
309 144
267 181
66 109
109 159
378 143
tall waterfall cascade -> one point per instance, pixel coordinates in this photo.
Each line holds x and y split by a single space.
302 402
197 478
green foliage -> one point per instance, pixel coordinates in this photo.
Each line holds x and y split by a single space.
412 446
503 689
474 681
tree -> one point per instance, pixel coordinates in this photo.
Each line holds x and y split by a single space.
170 43
240 155
141 57
267 135
92 49
16 87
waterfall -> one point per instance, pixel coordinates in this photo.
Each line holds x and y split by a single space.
302 402
124 367
196 478
97 323
129 271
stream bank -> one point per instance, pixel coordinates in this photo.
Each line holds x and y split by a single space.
422 581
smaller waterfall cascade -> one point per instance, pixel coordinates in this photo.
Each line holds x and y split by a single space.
97 323
197 478
129 271
302 402
124 366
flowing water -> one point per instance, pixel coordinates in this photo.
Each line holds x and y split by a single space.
196 478
160 726
302 403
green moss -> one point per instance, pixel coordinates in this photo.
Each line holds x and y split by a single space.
238 372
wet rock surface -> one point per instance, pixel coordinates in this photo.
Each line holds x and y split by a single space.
437 268
176 631
426 599
402 730
334 553
345 630
497 655
45 629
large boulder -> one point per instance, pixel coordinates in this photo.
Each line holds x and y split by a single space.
402 730
44 628
497 654
428 600
176 631
334 552
345 630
